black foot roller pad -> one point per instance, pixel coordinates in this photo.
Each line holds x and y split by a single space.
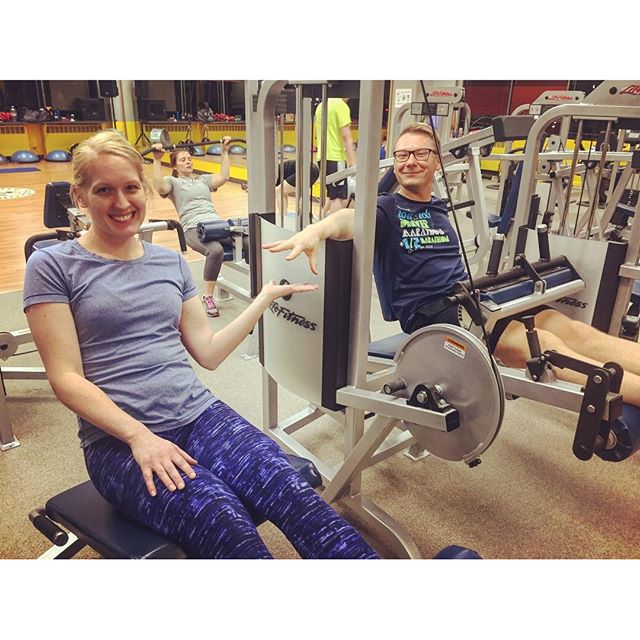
627 431
455 552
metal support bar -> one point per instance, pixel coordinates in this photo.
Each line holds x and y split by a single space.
392 407
358 459
564 395
7 438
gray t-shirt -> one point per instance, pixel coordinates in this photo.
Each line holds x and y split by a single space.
127 315
192 199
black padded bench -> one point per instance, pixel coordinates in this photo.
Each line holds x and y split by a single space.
99 525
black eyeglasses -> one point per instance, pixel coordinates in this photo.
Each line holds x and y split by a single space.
421 155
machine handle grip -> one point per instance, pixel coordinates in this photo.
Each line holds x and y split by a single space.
174 225
48 528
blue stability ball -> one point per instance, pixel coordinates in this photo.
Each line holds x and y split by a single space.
24 156
288 148
197 151
237 150
215 150
3 159
58 155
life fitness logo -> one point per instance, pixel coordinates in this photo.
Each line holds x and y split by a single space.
291 316
561 97
441 93
633 89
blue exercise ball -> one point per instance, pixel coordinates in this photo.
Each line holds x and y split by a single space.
215 150
288 148
24 156
197 151
58 155
237 150
3 159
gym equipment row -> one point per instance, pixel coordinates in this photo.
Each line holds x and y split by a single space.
606 251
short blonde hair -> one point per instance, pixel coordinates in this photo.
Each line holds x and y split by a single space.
420 127
110 142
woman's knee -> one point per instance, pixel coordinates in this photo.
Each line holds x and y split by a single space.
213 263
214 250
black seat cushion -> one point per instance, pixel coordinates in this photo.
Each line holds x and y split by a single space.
84 512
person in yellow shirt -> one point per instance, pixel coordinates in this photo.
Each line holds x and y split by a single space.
340 149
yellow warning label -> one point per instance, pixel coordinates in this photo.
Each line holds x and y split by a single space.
455 347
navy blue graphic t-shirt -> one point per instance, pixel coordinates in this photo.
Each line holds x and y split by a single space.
417 251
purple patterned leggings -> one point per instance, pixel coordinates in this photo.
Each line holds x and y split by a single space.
242 475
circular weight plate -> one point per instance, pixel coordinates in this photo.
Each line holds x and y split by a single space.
460 364
161 136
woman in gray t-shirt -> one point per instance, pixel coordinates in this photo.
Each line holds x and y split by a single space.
191 196
156 443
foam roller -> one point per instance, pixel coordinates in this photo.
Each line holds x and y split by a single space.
627 431
213 230
456 552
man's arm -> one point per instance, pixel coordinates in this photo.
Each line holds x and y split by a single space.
337 226
349 147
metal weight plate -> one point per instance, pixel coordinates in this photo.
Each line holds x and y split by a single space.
161 136
460 364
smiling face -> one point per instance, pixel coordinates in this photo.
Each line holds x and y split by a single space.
114 197
415 177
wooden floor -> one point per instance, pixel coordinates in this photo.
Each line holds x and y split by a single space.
22 217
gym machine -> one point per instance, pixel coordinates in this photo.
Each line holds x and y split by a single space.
608 260
306 327
413 406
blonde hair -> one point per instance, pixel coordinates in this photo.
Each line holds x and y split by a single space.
110 142
420 127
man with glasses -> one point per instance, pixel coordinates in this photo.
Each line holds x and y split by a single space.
416 247
417 253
